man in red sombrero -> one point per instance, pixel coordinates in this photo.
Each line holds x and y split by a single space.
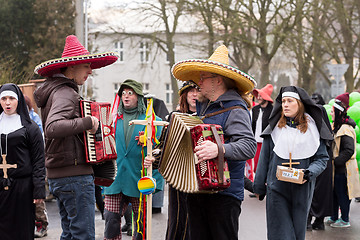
216 216
260 117
70 177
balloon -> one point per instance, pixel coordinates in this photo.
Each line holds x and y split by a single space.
328 110
356 104
357 132
354 97
327 106
354 113
331 102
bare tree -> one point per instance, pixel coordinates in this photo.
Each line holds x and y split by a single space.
344 36
255 28
206 9
167 14
305 44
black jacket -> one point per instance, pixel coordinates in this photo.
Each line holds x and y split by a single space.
347 149
265 117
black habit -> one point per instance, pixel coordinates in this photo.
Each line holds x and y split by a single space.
24 147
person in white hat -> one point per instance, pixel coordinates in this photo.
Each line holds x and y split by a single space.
216 216
70 178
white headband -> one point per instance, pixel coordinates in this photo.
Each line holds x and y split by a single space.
338 107
9 93
291 94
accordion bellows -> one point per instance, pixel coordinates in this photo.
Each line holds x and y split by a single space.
178 163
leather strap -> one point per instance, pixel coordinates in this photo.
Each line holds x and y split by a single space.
221 111
220 159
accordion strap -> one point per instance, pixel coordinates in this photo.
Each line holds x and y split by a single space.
221 111
220 158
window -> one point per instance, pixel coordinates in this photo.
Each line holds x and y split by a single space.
119 49
168 92
146 88
144 52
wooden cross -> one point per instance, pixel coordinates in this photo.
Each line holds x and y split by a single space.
290 163
149 122
5 166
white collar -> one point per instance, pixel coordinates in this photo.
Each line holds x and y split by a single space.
9 123
301 145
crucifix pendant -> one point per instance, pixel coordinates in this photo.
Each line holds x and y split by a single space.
5 166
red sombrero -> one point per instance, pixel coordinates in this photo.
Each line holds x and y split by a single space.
74 53
218 63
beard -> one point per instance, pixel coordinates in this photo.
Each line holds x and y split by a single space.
262 102
201 97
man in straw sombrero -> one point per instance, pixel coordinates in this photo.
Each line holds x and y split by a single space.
216 216
70 177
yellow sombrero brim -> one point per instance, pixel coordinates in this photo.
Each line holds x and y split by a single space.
190 70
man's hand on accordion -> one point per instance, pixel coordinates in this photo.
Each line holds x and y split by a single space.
206 150
95 125
148 161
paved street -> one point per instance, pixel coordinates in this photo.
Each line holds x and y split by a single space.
252 223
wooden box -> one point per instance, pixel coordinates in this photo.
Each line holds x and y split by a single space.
288 174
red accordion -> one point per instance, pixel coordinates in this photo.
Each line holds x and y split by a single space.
179 164
212 174
100 147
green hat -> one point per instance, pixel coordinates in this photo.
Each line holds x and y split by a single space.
136 86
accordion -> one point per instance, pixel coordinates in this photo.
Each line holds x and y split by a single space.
100 147
178 163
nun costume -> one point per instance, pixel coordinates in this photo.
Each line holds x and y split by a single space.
288 204
22 170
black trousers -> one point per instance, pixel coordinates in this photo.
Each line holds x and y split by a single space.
213 216
177 228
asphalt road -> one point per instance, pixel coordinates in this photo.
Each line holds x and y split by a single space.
252 223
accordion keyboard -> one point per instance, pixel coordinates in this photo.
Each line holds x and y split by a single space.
91 137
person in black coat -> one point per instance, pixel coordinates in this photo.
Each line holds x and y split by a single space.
23 182
177 225
321 205
260 116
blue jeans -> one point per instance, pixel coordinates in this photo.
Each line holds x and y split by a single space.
76 201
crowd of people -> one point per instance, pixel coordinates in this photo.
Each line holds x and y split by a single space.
263 138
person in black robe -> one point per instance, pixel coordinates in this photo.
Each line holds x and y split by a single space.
322 202
177 224
22 147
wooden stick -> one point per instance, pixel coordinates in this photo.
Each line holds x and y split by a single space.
149 123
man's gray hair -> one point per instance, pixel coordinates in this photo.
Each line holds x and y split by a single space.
229 83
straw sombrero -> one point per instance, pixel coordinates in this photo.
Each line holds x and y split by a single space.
218 63
75 53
